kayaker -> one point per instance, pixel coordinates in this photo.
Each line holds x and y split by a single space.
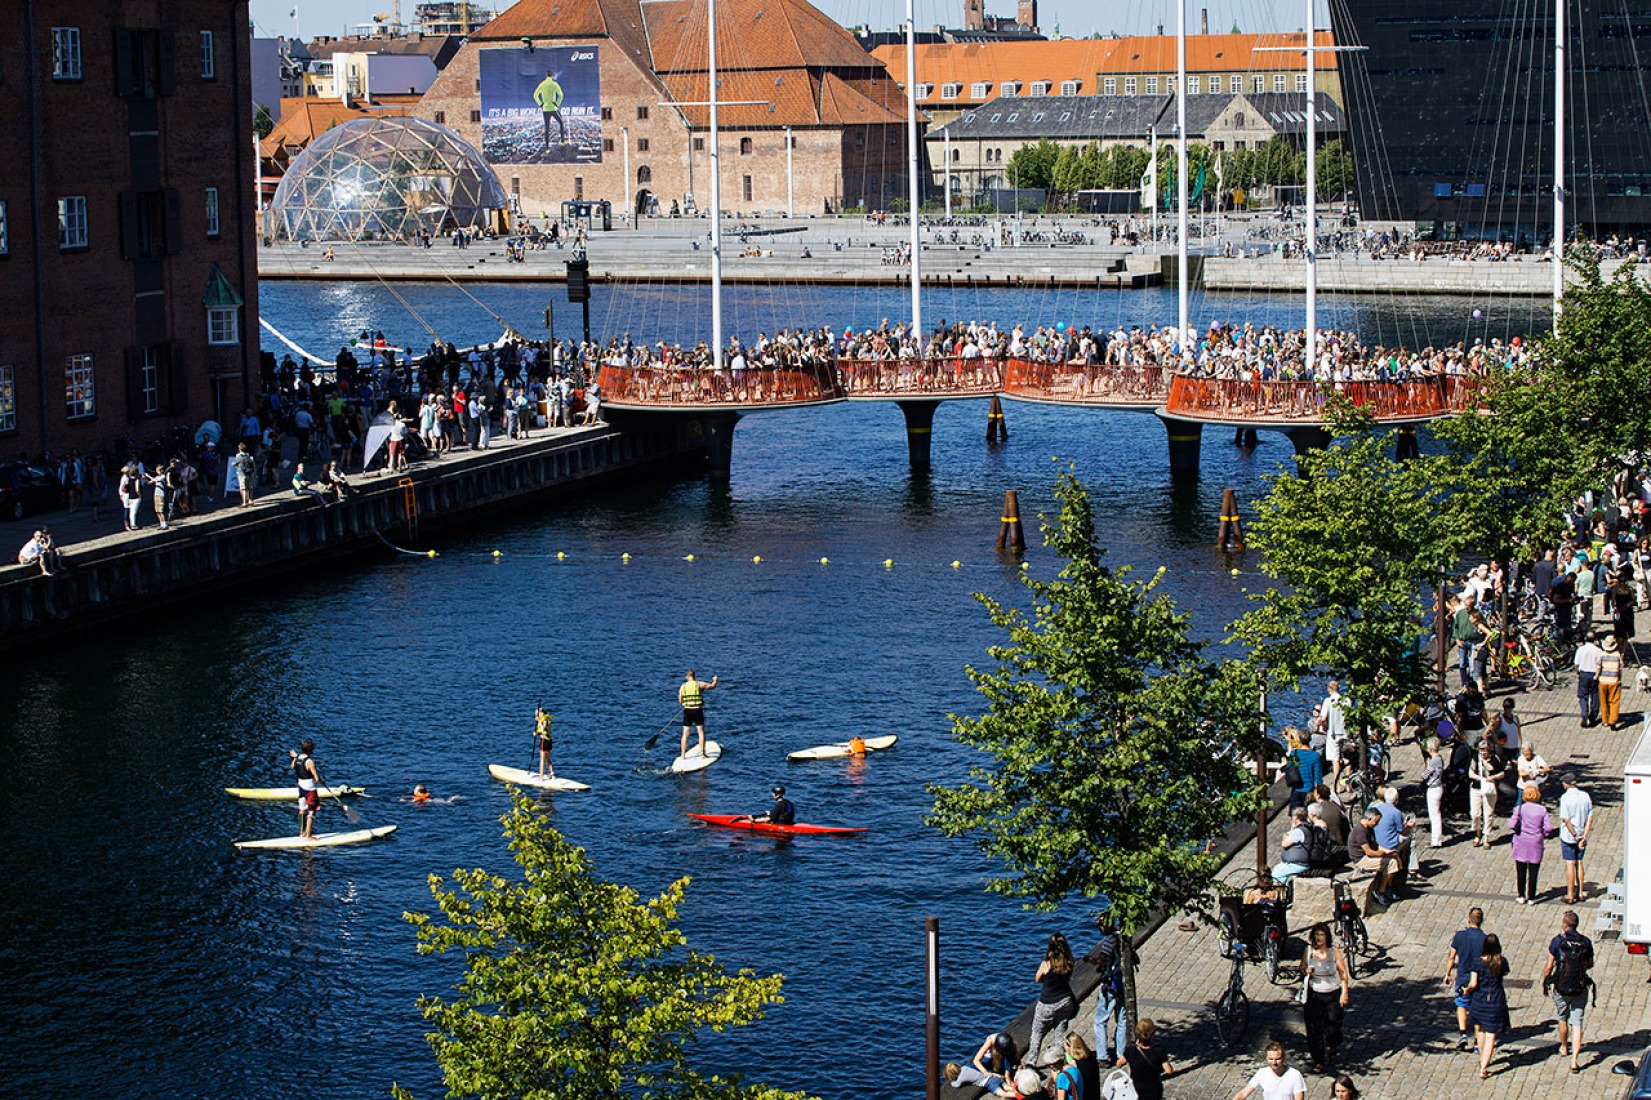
782 812
857 745
541 734
308 773
691 697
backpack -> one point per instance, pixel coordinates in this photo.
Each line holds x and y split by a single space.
1576 958
1291 773
1321 848
1119 1085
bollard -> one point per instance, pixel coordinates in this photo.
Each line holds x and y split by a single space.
1231 535
996 430
1009 535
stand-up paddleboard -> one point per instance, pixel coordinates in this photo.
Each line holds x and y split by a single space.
287 794
524 778
693 760
830 752
744 821
324 840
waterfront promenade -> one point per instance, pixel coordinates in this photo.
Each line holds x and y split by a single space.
1400 1026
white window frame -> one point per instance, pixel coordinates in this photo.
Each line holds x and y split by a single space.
1236 86
1278 82
980 89
149 379
1152 85
223 326
209 59
1260 85
1131 85
214 223
1195 84
1009 88
1070 87
8 399
1301 82
1110 86
924 91
79 388
66 53
72 232
951 90
1040 88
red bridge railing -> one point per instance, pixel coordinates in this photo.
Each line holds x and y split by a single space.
1255 401
1094 384
950 377
700 387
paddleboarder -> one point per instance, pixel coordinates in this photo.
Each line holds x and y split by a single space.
857 745
782 812
308 773
691 697
541 734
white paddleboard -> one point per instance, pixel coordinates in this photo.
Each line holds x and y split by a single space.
693 760
286 794
324 840
524 778
829 752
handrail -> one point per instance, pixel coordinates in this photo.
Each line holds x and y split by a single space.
1256 400
1087 384
950 376
669 387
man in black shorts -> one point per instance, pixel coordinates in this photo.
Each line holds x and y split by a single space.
691 696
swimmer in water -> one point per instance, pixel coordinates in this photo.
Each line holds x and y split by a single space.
421 793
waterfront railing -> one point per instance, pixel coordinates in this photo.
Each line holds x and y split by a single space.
1262 401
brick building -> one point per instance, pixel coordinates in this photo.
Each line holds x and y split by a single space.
128 301
633 128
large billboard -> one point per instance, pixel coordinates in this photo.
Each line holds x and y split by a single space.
541 106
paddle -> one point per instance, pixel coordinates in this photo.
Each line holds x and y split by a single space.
648 745
348 811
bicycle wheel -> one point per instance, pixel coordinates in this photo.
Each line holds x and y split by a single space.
1269 958
1358 938
1524 672
1545 674
1232 1016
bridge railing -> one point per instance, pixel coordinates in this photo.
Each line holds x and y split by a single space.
1096 383
670 387
940 377
1235 399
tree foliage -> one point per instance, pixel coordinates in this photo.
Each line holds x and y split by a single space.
1107 730
262 123
1334 171
1032 166
573 986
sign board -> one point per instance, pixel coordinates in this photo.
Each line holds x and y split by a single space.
541 106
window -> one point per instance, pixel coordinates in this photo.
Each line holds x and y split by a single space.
5 234
699 145
956 155
1278 82
1009 87
791 141
1238 120
149 380
65 53
1040 87
1236 85
642 113
223 326
745 147
1130 85
1152 85
1111 85
607 145
441 118
607 114
1301 82
79 391
644 174
8 399
747 184
980 89
924 91
209 63
212 224
1260 84
1070 87
475 116
1169 84
1195 84
578 187
641 145
950 91
71 222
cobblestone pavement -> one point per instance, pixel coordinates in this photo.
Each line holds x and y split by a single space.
1400 1028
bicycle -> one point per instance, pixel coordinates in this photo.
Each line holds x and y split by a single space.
1232 1008
1350 930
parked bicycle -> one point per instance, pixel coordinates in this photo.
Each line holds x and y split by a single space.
1232 1008
1350 929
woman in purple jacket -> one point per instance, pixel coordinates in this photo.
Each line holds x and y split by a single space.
1530 826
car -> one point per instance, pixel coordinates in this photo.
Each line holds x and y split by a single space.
25 488
1639 1085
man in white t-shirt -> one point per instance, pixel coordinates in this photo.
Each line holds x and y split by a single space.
1335 731
1576 818
1275 1080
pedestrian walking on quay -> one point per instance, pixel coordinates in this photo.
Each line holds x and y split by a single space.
1324 970
1465 947
1147 1063
1343 1088
1276 1080
1588 658
1531 826
1483 775
1056 1004
1107 958
1610 682
1566 978
1487 1000
1576 819
1433 780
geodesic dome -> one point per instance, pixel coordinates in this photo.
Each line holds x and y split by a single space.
385 179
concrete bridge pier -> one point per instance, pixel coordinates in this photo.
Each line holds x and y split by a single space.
1309 437
919 430
1406 447
1185 440
717 431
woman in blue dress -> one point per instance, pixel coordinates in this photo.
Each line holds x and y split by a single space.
1487 1001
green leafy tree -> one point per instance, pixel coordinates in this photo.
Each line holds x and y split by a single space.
1066 176
1032 167
1358 542
262 123
1334 171
573 986
1278 165
1108 732
1089 167
1124 166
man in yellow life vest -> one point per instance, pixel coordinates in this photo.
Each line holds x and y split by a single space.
857 745
548 95
691 696
541 735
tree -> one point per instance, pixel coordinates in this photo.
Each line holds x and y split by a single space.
262 123
1032 167
1334 171
1357 541
1089 167
1107 730
1067 176
574 987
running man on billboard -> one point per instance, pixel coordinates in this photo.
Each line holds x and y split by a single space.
548 95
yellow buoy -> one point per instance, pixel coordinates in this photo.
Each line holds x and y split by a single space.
1025 566
560 556
888 563
624 557
498 553
432 553
690 557
756 559
1235 572
825 561
957 565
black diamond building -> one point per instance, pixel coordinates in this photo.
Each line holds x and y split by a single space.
1451 112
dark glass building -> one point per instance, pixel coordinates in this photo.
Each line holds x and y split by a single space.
1451 115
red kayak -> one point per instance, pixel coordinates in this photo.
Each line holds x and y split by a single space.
744 821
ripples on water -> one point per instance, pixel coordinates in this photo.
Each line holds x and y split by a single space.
144 957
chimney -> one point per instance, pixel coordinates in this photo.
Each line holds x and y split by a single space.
1203 20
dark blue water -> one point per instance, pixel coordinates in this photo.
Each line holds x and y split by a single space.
145 957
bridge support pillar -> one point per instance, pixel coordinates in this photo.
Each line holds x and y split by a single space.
1186 437
717 431
1308 438
1406 447
919 430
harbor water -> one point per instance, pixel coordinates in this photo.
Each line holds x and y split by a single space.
145 957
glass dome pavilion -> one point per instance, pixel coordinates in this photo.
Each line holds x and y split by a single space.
385 179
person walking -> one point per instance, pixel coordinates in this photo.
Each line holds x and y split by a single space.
1576 819
1588 657
1465 631
1148 1063
1483 775
1465 946
1308 765
244 467
1610 682
1621 601
1325 973
1107 958
1433 781
1056 1003
1487 1000
1531 826
1565 976
690 696
130 492
1277 1080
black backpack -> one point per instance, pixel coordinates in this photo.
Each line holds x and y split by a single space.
1321 848
1576 958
